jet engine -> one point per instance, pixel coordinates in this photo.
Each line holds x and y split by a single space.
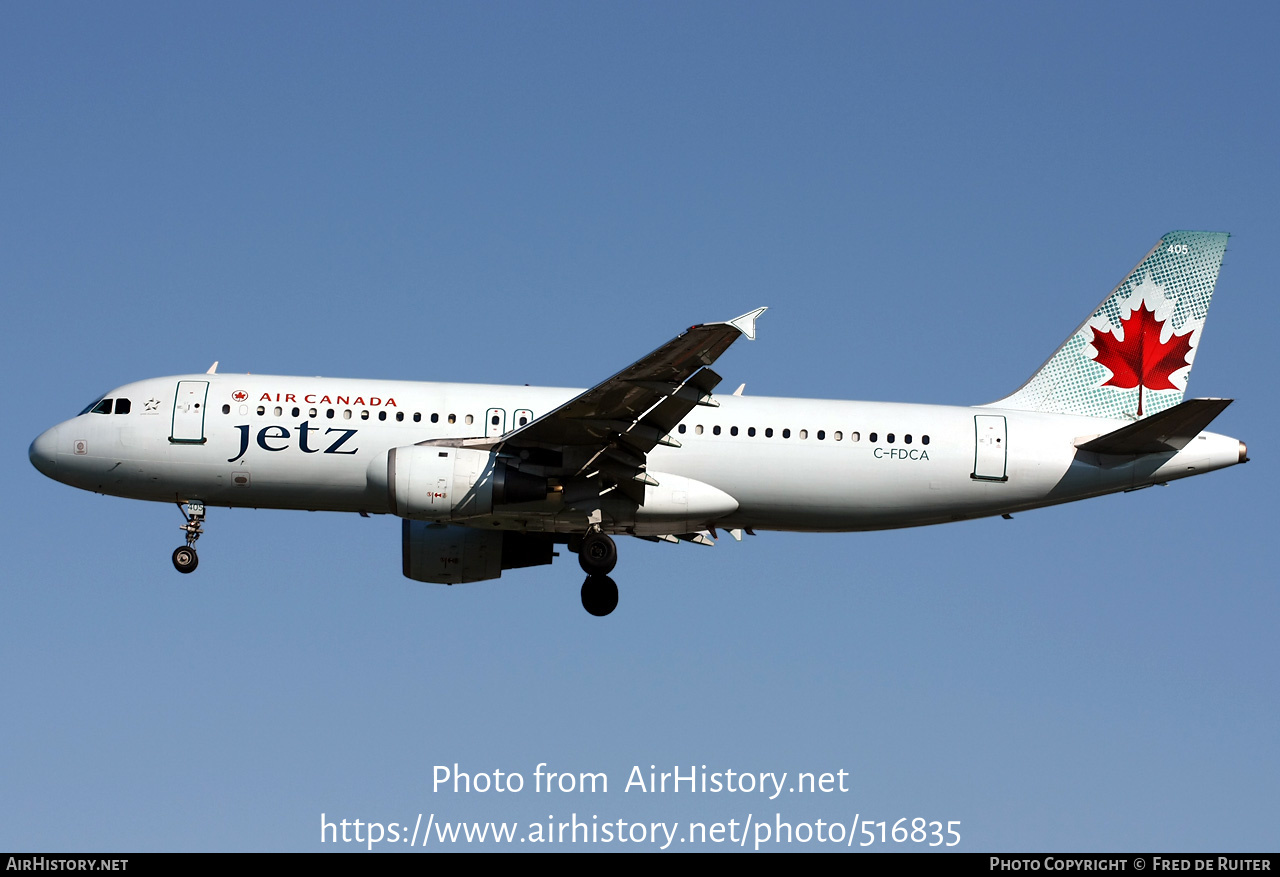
448 554
434 483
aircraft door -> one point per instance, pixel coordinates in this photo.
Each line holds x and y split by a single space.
188 413
495 422
991 451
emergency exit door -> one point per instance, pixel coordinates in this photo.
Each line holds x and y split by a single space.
495 422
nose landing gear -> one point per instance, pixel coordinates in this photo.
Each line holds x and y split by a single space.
185 559
184 556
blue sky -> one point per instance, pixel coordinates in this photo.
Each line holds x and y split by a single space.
929 197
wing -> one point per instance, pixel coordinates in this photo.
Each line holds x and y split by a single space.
604 434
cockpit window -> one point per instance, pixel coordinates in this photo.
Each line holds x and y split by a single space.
103 407
92 405
123 406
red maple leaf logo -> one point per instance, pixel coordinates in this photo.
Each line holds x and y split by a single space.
1141 359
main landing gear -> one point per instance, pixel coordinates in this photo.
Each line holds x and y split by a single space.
598 555
599 595
184 556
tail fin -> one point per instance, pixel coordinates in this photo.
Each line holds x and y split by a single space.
1133 355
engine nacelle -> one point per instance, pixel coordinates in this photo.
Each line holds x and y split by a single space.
433 483
449 555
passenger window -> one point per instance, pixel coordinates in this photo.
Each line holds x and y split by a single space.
435 418
453 418
855 437
346 413
123 406
295 411
417 417
837 436
733 430
715 430
906 439
751 430
681 429
768 432
924 439
871 437
822 433
313 413
226 409
786 433
889 438
382 415
364 415
399 417
262 409
470 420
523 420
697 430
279 411
494 420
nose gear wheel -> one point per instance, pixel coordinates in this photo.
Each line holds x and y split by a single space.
185 559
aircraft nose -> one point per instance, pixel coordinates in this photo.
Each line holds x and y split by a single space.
44 452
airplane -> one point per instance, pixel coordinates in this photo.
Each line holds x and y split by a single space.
487 478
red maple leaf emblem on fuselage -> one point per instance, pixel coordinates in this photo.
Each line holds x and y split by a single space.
1141 359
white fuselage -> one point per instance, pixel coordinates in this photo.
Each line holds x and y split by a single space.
788 464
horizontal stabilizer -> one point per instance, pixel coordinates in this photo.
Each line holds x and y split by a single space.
1169 430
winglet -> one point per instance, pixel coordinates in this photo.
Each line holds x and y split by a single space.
213 369
746 324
